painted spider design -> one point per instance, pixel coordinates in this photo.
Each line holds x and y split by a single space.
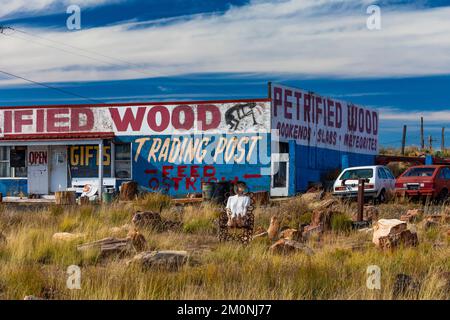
237 113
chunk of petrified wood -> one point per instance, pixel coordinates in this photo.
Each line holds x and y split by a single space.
65 197
128 191
289 246
109 246
168 259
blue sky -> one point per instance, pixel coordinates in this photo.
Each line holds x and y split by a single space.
151 50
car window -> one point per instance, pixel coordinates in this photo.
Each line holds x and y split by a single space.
389 173
442 173
420 172
355 174
382 174
447 173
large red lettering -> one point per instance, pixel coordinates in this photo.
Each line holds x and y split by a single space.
129 119
19 121
277 100
58 120
287 104
164 115
76 120
189 116
202 112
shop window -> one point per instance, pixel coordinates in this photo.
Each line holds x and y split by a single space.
123 161
13 162
5 171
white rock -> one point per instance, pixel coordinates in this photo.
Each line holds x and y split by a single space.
384 227
65 236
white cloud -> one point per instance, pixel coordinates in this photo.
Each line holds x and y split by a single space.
308 37
413 115
10 7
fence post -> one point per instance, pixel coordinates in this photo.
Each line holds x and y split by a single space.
361 183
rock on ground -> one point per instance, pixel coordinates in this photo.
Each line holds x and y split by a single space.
32 298
147 219
405 238
66 236
137 239
150 219
274 228
310 197
109 247
391 233
171 260
405 285
290 234
371 214
288 246
384 227
412 215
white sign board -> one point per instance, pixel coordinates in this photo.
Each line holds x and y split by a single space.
249 116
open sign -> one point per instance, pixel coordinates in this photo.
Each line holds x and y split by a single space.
37 158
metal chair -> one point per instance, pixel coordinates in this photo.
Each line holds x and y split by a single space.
242 234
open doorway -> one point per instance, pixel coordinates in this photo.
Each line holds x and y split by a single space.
280 172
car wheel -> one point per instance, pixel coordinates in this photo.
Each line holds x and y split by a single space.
382 196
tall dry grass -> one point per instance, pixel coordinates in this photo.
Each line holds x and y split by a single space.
31 263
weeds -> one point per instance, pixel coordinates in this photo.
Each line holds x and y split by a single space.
32 263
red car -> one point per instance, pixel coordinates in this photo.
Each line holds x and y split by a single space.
425 181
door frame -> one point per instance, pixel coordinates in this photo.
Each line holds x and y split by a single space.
276 159
53 153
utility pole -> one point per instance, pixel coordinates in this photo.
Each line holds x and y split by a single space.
404 140
422 139
443 140
430 141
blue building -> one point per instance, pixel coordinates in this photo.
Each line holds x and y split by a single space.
280 144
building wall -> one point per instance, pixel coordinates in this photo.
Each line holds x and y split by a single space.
159 172
143 125
13 187
320 132
313 164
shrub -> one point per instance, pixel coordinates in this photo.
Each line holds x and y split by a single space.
154 201
340 222
68 224
305 218
56 210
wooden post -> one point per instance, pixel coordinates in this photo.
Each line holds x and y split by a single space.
422 139
65 197
361 183
403 140
113 159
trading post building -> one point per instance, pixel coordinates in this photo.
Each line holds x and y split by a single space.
281 144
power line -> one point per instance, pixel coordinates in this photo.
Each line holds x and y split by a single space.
51 87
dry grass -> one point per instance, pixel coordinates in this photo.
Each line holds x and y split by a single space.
31 263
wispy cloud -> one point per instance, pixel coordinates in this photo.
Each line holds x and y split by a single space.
11 7
414 115
303 37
